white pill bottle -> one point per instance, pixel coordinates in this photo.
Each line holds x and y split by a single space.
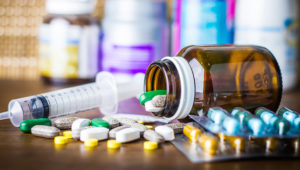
69 42
135 33
273 24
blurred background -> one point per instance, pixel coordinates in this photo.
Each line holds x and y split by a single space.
19 30
66 41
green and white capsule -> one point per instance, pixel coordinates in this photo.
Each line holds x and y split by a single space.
231 126
256 125
291 116
266 115
249 121
277 124
241 114
217 115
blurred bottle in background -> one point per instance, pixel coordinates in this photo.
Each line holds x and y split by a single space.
69 42
273 24
135 33
202 22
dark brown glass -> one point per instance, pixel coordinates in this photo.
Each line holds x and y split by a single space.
227 76
80 20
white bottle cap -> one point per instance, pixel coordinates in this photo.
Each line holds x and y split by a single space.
70 6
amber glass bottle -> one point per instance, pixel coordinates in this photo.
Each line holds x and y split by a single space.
200 77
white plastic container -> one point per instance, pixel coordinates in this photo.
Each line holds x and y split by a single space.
69 41
135 33
271 23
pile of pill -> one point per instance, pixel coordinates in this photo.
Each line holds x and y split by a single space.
118 131
264 127
218 133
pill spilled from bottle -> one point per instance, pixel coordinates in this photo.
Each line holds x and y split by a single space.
154 101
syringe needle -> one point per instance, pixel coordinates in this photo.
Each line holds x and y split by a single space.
4 115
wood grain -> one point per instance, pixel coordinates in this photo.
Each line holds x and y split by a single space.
24 151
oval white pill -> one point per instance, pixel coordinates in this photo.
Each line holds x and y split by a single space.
166 132
45 131
139 127
64 122
149 107
113 132
76 132
151 135
99 133
80 123
127 135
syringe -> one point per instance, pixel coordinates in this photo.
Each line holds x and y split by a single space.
105 94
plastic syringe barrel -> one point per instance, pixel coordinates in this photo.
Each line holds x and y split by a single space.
118 91
55 104
104 94
132 88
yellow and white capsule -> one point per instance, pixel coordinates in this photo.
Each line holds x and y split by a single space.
222 137
272 144
269 144
191 132
209 143
296 144
237 142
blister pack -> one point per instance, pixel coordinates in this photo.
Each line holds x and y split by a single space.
220 136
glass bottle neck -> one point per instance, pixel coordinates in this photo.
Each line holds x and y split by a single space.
174 75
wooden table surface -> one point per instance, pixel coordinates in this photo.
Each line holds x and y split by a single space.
24 151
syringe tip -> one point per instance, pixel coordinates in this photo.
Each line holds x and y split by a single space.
4 115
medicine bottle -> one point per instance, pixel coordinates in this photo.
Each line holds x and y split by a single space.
200 77
69 42
135 33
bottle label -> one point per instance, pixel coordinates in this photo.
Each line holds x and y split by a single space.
127 59
213 26
254 74
277 31
68 51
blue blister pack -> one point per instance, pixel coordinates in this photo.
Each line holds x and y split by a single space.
242 135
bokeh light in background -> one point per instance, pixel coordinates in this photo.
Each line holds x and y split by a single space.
19 21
